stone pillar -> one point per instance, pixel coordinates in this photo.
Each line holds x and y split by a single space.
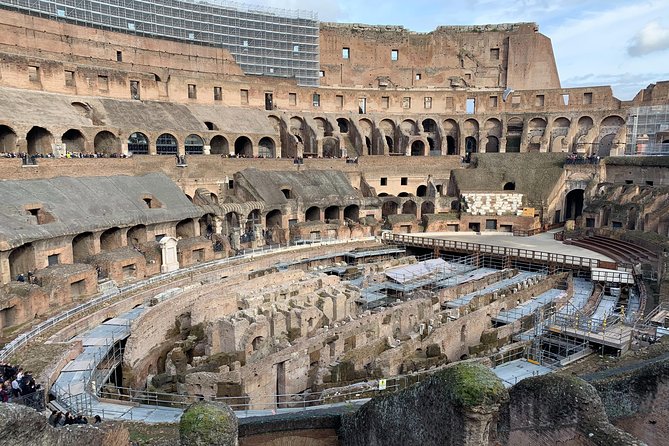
235 242
168 247
217 224
206 150
258 239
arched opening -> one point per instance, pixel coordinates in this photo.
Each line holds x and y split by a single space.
257 342
451 147
82 246
107 143
166 144
287 193
254 218
219 145
331 148
404 194
421 190
492 146
274 219
138 144
510 186
332 213
470 144
388 208
111 239
514 132
605 145
243 147
210 125
266 147
22 260
74 141
206 223
342 123
7 139
427 208
312 214
231 221
429 126
352 212
185 228
574 204
409 207
193 145
137 236
418 148
40 141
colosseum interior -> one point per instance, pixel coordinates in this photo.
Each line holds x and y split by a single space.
397 238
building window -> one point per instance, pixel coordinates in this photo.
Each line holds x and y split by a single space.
587 98
69 78
340 101
468 76
134 90
394 55
316 100
33 73
471 106
292 98
119 56
103 83
419 76
404 181
449 103
515 101
296 48
345 53
218 94
244 96
385 101
192 91
384 181
321 73
494 53
493 102
406 102
427 102
565 99
53 259
539 100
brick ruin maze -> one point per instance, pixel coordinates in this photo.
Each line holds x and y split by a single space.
376 236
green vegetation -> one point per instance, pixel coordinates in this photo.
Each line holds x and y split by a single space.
472 384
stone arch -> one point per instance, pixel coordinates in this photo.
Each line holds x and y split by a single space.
343 125
185 228
493 126
106 142
219 145
471 145
331 147
274 219
296 124
194 145
510 185
167 144
22 260
427 207
387 127
404 194
323 127
332 213
232 221
352 212
365 126
421 191
492 146
536 129
613 121
137 235
253 218
418 148
83 246
312 214
111 239
514 132
210 125
409 127
389 208
8 139
275 121
244 147
585 123
40 141
266 147
138 144
74 141
206 223
574 204
409 207
429 125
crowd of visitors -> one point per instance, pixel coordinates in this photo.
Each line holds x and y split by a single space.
26 156
58 419
577 158
19 386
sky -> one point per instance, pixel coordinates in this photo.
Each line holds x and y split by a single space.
622 43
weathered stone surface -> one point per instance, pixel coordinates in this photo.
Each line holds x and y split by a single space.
453 407
208 424
23 426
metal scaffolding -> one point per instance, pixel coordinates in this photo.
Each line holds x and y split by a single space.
263 41
648 130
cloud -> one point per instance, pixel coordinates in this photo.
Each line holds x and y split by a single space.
652 37
625 85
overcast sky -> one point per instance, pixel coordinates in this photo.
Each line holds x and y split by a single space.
622 43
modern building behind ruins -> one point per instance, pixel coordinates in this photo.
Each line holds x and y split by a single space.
139 139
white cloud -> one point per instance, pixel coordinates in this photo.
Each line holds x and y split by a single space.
651 38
